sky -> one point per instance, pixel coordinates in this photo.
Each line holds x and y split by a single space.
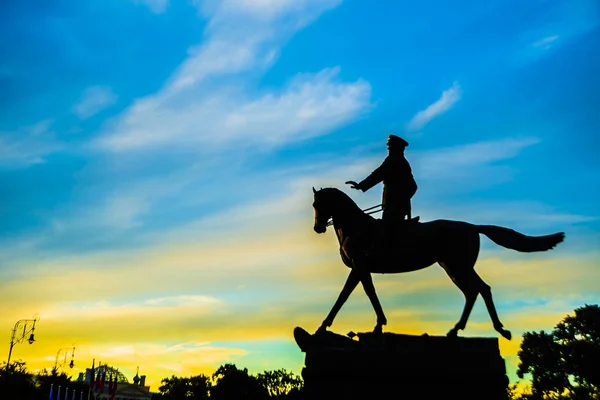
157 159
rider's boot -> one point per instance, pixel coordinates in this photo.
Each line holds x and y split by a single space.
390 227
410 217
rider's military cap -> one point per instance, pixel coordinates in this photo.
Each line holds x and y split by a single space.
396 140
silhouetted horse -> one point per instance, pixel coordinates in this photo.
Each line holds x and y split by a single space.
452 244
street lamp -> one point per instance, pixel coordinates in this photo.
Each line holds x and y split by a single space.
28 326
66 351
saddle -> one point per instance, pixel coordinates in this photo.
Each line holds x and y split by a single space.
387 235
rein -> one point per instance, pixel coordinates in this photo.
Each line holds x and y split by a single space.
368 211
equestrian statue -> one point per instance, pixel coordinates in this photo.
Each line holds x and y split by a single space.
398 243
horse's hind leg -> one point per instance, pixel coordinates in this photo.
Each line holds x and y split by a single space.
486 293
467 285
471 284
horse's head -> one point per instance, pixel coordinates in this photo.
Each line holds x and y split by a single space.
322 207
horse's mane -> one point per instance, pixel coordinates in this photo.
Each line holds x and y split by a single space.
344 201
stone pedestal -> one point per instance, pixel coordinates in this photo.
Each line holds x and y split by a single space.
394 366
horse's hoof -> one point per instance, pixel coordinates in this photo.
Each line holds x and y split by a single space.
505 334
322 329
452 333
378 329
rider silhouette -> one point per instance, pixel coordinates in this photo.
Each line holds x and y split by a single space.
399 185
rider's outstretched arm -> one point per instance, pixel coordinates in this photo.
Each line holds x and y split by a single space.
373 179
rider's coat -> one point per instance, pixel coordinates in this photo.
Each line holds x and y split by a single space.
399 185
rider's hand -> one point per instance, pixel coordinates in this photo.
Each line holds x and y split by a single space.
353 185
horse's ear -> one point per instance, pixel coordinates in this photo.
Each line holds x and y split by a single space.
314 191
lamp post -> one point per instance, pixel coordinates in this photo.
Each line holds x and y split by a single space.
66 351
28 326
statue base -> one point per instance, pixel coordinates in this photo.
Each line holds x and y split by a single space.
396 366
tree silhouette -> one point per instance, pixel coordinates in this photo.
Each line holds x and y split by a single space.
281 384
564 364
230 382
174 388
45 378
16 382
234 383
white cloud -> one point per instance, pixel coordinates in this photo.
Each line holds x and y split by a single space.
264 10
156 6
439 163
444 103
546 42
16 154
310 105
129 206
562 22
94 100
122 211
204 102
102 309
27 146
183 300
530 216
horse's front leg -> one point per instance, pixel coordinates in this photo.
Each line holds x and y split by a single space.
349 286
353 253
367 282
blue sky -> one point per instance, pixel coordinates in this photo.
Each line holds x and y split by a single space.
156 160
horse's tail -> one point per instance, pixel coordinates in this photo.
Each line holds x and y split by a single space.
517 241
